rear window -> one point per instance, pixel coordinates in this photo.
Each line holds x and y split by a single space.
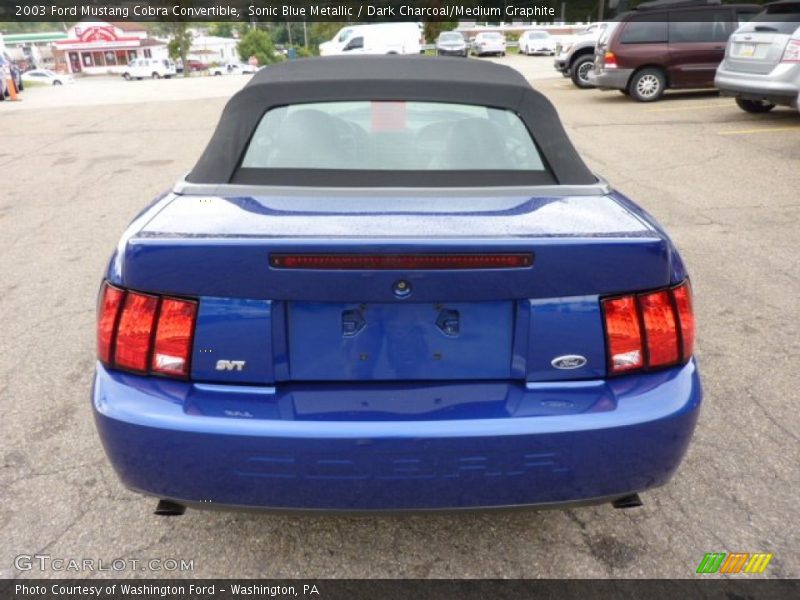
781 18
391 137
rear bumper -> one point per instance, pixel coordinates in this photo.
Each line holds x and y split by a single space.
781 86
544 51
610 79
451 52
486 50
396 446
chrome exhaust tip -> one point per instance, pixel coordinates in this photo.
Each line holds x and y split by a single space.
167 508
631 501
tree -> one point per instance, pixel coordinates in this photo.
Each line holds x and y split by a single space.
228 29
180 43
288 33
221 28
259 44
434 28
322 31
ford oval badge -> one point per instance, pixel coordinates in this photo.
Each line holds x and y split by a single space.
568 361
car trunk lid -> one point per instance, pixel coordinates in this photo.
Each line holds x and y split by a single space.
756 51
394 319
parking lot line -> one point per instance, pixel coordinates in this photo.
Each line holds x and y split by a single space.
693 107
759 130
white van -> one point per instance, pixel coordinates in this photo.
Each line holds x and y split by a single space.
377 38
150 67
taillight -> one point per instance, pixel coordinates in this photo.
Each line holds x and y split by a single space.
683 302
382 262
660 328
624 334
610 60
173 341
792 52
108 311
145 333
135 331
649 330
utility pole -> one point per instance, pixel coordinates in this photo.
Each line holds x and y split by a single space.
305 33
600 11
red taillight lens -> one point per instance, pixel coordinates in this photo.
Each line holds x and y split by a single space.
650 330
610 60
660 329
400 261
624 334
683 302
132 350
145 333
172 348
792 52
108 310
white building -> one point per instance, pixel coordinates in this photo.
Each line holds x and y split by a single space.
213 49
97 47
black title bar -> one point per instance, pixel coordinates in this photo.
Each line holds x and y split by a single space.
387 589
494 11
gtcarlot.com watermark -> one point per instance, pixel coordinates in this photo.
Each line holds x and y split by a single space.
67 564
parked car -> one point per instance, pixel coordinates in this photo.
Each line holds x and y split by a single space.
537 42
761 68
233 69
154 68
375 38
458 329
489 42
663 45
194 66
451 43
575 57
47 76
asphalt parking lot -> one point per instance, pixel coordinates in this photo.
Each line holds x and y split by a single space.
79 162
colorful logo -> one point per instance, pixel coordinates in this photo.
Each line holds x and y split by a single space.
736 562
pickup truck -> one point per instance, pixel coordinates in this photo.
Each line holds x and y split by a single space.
233 69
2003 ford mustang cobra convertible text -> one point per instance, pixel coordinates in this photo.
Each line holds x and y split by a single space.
392 283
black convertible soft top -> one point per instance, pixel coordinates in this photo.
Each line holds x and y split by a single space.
412 78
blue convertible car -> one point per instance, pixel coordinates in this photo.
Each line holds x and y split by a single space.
392 283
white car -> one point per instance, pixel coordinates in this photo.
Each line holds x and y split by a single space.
154 68
489 42
233 69
537 42
46 76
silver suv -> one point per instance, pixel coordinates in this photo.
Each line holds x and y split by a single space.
575 57
762 60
